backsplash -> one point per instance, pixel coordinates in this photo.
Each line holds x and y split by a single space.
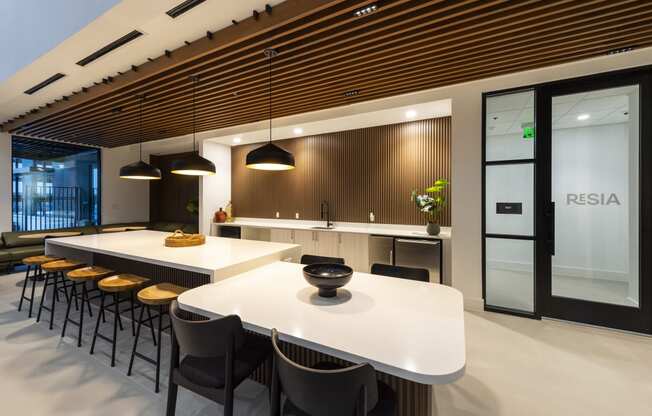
357 171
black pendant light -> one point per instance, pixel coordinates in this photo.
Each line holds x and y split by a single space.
193 165
270 156
140 170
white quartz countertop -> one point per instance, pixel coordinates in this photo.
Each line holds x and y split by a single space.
415 231
412 330
218 254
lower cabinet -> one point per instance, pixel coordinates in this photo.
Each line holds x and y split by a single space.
354 248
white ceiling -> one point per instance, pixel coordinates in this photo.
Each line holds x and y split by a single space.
322 123
161 32
507 114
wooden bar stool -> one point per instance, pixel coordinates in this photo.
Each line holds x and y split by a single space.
159 296
80 277
34 265
115 285
54 271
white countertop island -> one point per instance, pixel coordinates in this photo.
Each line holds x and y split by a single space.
219 257
411 330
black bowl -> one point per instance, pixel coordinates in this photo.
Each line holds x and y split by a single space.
327 277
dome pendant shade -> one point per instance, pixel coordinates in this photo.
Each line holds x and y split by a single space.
140 170
270 157
193 165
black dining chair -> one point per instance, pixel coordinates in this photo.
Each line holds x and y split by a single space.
403 272
327 389
310 259
219 355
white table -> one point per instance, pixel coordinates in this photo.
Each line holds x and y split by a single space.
219 258
410 330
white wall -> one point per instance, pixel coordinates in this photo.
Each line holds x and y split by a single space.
466 155
5 182
122 200
214 190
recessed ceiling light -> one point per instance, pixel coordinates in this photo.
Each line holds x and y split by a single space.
410 113
237 140
366 10
298 130
583 117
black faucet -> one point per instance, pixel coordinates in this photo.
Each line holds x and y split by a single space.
325 212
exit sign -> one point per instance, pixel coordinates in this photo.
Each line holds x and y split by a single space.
528 133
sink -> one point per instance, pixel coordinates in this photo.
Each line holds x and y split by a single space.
321 227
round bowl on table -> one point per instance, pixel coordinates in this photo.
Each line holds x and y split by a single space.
327 277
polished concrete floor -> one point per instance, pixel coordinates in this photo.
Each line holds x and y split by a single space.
515 367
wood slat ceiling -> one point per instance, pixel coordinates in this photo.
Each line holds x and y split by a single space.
325 50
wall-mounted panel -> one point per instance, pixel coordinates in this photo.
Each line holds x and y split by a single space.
356 171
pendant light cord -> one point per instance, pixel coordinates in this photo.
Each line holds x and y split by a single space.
140 126
194 112
271 55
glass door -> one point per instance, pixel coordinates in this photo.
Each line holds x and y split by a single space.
592 193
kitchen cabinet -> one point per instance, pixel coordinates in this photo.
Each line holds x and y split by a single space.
280 235
306 239
327 243
354 248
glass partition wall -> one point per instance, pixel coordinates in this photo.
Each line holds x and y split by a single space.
567 172
54 185
508 220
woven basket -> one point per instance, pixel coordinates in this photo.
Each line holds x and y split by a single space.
180 239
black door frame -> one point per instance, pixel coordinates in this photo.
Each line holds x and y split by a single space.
613 316
602 314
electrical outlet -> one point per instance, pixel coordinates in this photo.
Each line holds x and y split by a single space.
296 215
278 214
372 217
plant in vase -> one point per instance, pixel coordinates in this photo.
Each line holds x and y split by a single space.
431 203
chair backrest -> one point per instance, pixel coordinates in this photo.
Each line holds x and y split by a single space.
403 272
209 338
310 259
326 392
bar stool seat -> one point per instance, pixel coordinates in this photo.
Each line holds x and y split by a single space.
33 264
79 278
54 274
39 260
160 296
121 283
63 265
116 285
89 273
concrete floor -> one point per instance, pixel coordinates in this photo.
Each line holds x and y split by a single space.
515 367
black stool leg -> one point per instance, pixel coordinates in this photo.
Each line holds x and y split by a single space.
54 301
133 350
73 293
158 347
116 318
46 283
133 315
81 314
31 297
100 315
22 295
151 325
88 302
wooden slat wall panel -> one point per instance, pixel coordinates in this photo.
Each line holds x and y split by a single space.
356 171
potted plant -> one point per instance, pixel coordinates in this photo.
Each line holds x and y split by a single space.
431 203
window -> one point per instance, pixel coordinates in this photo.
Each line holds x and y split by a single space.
54 185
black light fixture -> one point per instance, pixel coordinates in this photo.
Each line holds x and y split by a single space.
140 170
270 156
193 165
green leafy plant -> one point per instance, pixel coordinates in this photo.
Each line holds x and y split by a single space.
432 201
193 207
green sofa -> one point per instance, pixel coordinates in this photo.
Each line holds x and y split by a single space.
14 249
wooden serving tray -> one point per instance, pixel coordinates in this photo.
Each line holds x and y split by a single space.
180 239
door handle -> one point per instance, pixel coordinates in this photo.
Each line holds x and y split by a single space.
551 231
